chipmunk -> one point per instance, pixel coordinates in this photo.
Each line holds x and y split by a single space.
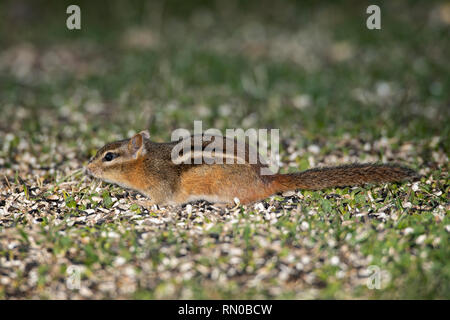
148 167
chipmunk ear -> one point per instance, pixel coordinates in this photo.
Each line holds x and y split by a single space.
136 144
145 134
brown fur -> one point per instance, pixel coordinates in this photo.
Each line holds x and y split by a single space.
147 167
342 176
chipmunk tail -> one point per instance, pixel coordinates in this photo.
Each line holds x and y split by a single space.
342 176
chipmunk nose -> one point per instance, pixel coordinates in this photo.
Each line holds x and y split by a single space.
87 171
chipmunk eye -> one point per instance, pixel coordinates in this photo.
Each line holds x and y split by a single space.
109 156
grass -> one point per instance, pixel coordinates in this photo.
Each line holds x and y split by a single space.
312 70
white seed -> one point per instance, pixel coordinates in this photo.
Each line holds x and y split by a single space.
408 230
421 239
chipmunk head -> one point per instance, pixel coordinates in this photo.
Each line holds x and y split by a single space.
108 163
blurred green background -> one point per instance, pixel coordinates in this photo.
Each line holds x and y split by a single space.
311 68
